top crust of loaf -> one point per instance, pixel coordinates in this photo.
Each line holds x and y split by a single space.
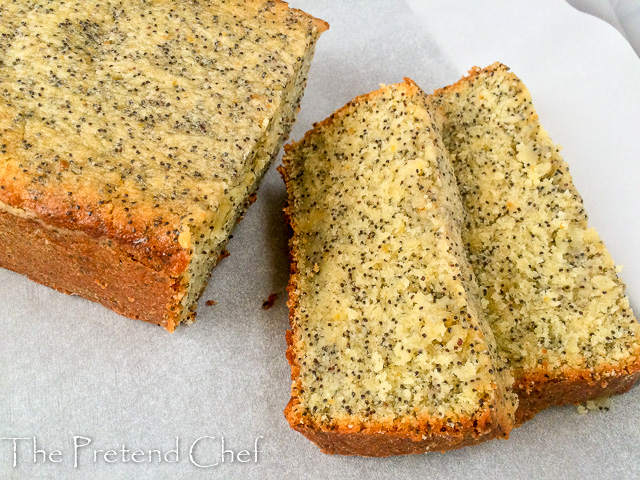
377 437
133 121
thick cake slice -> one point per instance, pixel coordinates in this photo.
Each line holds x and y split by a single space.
549 287
133 135
388 348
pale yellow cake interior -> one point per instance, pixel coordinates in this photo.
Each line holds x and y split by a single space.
387 324
550 289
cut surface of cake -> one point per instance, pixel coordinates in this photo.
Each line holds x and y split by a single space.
133 135
550 289
388 347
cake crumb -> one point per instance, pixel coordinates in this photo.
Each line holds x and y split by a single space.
548 286
600 404
211 303
268 303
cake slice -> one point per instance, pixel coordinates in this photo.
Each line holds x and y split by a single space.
133 135
550 289
389 350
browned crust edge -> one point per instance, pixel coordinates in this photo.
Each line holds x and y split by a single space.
156 247
539 390
374 439
385 444
73 262
542 388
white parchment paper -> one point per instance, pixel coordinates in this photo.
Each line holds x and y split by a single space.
72 368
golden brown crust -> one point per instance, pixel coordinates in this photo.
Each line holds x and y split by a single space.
98 269
384 444
74 262
153 246
539 390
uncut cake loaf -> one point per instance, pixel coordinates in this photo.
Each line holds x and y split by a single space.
133 135
550 289
389 349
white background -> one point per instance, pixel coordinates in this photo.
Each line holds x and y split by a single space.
624 15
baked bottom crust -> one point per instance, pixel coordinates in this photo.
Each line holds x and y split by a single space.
539 390
72 262
385 440
388 443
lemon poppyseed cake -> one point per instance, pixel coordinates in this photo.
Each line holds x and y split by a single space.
133 135
388 348
550 289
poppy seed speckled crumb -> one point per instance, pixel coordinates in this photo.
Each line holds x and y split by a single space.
389 350
550 289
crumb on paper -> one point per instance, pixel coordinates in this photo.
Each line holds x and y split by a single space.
224 254
211 303
268 303
600 404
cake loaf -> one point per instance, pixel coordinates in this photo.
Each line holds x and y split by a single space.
550 289
133 135
389 350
